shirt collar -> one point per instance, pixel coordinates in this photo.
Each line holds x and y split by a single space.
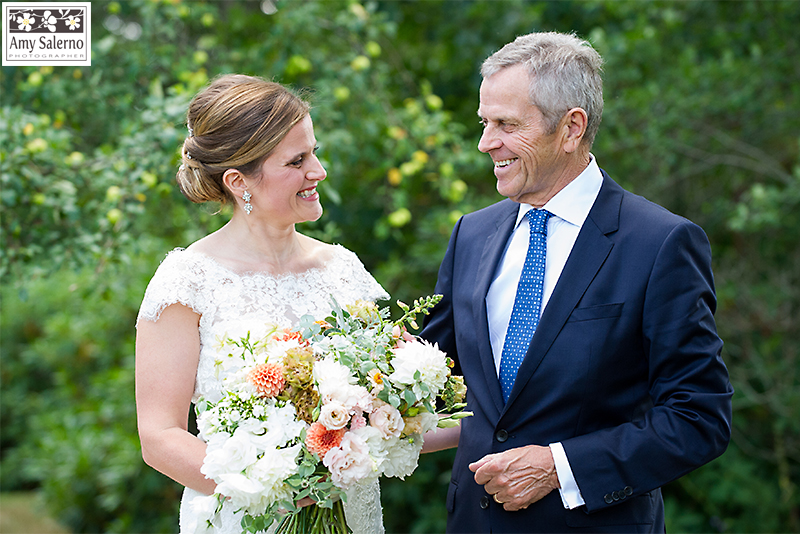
573 203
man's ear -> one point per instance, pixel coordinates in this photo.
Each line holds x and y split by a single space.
235 182
574 127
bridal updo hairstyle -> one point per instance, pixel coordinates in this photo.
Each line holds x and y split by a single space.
234 123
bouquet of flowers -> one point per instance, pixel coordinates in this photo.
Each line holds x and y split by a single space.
307 413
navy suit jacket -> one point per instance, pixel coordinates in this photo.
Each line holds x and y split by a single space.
624 369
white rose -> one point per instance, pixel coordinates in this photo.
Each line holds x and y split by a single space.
401 457
217 440
243 491
252 426
334 415
204 515
234 455
388 420
271 470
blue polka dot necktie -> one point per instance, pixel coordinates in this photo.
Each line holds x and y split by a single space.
527 303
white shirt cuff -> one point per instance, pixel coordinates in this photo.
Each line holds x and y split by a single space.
570 493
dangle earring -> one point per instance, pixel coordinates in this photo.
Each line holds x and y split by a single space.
246 196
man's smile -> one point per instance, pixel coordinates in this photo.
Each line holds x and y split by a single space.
505 162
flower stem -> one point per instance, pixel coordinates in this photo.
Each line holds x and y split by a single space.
315 520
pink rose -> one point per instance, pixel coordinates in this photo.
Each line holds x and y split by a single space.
350 462
388 420
358 421
334 415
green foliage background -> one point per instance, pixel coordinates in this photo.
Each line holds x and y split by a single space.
701 117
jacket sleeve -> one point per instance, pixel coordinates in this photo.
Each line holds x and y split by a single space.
439 326
689 422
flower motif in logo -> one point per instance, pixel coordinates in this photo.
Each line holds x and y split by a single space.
25 22
49 21
73 23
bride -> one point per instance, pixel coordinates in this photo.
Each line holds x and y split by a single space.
251 144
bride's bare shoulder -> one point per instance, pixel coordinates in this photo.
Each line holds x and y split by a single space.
207 245
214 247
320 250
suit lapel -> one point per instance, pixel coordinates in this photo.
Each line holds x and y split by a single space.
493 249
590 251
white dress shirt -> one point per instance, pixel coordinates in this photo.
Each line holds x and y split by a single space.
569 207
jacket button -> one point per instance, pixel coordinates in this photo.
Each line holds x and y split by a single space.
484 502
608 498
615 495
502 436
628 491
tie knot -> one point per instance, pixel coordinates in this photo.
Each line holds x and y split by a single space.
538 220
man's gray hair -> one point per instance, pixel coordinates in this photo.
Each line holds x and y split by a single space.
564 72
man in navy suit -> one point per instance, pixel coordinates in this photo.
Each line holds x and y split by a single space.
619 386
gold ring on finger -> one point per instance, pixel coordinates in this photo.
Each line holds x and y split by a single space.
498 501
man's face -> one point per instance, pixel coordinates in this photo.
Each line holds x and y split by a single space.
529 163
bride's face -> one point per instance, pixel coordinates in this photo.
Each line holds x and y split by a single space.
287 191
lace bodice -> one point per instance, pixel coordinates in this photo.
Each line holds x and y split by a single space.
230 304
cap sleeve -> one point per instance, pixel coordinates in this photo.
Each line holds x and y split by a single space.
178 280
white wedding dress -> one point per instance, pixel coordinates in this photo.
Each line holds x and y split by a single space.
230 304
